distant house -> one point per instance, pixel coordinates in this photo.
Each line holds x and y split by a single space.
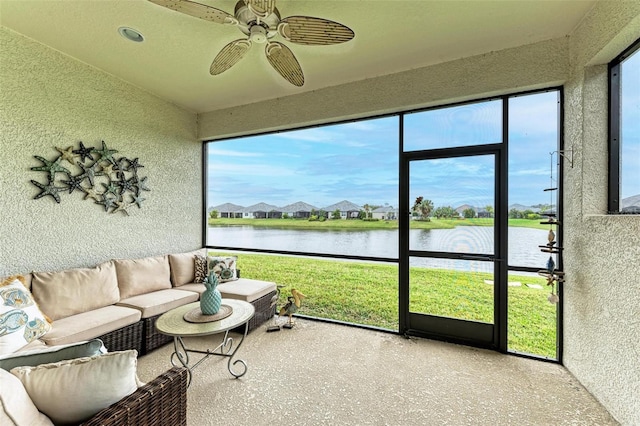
460 210
299 210
385 213
522 208
228 210
262 211
348 210
481 212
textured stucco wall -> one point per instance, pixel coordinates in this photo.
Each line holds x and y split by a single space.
47 100
538 65
602 252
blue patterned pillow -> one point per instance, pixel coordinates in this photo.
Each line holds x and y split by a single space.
21 321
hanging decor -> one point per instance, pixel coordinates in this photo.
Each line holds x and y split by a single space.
110 181
553 275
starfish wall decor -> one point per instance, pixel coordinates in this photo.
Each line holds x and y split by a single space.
109 181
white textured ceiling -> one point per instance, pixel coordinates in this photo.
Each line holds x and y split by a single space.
391 36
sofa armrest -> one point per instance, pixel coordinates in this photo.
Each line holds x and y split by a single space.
162 401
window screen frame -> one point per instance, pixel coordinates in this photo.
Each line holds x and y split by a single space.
614 119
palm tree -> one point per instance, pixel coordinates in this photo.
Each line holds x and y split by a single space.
423 208
367 207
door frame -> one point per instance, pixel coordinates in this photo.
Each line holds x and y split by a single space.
494 335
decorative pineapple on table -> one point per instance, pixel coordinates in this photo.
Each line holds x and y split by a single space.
211 299
291 307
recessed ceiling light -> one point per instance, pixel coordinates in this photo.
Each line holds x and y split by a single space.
131 34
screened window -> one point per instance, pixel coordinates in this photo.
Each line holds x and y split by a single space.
624 132
316 183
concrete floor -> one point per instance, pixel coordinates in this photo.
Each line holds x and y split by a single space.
327 374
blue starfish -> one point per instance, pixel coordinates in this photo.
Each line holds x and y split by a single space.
51 167
83 152
74 183
137 200
105 153
107 202
48 189
89 172
141 184
110 188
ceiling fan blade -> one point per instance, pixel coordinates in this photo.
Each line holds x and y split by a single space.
314 31
261 8
229 56
198 10
282 60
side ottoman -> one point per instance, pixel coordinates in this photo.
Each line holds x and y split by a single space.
258 293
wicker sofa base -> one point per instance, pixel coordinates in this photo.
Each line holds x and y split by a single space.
264 312
153 339
122 339
161 402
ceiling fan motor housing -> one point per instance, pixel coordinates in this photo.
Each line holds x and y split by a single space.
258 29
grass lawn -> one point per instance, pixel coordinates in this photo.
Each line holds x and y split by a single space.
367 293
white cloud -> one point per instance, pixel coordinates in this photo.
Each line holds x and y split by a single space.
229 153
261 170
310 135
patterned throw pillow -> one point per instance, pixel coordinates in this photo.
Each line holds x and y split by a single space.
21 321
224 267
200 268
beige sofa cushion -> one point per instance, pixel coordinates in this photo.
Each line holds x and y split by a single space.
183 267
16 407
195 287
73 291
139 276
72 391
159 302
246 289
89 325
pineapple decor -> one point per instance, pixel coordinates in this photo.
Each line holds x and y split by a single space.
211 299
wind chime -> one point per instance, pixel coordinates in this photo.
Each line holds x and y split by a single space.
553 275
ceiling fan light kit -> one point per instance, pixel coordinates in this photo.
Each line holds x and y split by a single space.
260 22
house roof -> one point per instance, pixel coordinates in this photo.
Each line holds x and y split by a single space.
227 207
343 206
300 206
390 37
261 207
385 209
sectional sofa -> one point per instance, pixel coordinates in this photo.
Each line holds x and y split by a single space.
119 301
115 304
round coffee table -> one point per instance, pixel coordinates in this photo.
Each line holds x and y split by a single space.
172 323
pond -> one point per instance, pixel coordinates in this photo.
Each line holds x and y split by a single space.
523 243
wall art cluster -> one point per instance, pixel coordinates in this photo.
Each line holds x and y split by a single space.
114 183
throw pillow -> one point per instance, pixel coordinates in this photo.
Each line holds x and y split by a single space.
52 354
73 391
224 267
200 266
16 408
21 321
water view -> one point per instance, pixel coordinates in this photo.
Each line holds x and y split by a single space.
523 243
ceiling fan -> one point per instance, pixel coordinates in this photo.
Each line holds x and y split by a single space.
260 22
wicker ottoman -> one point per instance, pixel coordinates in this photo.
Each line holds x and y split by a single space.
258 293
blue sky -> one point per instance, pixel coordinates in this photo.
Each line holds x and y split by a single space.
359 161
631 126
